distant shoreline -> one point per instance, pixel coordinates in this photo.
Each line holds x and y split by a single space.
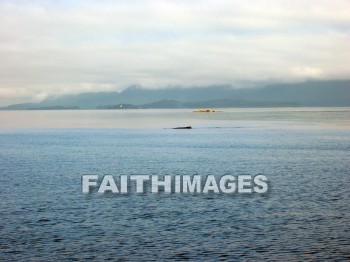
193 109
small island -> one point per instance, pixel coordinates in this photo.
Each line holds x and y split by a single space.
205 111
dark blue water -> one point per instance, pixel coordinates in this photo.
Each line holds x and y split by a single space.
304 216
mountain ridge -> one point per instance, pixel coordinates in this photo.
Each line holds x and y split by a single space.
310 93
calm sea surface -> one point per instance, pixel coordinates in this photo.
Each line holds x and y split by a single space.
304 153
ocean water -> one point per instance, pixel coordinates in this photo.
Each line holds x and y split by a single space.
304 153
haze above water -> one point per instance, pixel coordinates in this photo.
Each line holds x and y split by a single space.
169 118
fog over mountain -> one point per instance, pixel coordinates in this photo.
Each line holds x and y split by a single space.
54 48
311 93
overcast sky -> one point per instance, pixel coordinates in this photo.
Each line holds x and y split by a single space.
57 47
